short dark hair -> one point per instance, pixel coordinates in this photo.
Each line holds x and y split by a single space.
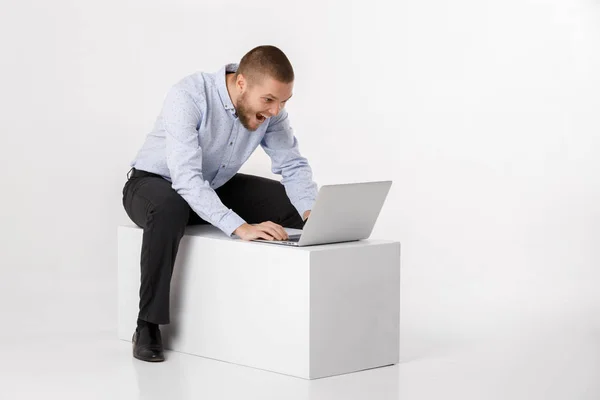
266 61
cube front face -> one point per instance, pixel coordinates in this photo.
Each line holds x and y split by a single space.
234 301
242 303
298 312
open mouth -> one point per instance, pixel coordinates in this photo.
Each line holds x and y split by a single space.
260 118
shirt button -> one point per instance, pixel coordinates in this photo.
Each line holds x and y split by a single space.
222 166
231 143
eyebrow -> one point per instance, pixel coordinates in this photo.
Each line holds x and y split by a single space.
275 97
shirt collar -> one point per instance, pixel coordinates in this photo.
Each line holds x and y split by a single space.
222 86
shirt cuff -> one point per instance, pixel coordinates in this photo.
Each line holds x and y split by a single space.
230 223
303 206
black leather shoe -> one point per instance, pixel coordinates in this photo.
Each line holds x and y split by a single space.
147 344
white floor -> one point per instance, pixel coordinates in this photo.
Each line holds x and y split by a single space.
59 341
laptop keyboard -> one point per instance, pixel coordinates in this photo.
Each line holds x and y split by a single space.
293 238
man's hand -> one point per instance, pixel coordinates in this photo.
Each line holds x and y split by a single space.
266 230
306 214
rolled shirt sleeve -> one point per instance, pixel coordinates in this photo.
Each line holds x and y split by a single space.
181 117
281 145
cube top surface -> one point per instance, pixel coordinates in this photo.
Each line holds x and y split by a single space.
211 232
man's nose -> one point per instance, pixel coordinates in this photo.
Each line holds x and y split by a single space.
275 109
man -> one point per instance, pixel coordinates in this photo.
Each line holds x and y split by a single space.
186 173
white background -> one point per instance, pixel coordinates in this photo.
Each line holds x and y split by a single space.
483 113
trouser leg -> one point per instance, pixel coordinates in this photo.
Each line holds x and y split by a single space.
153 205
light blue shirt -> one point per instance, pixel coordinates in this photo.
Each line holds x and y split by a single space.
198 144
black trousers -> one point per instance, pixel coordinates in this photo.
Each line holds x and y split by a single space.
152 204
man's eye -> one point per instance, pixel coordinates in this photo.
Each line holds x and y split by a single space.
268 100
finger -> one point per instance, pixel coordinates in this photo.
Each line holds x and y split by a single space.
273 232
262 234
280 229
284 234
265 236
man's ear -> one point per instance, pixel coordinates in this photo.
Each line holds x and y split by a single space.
241 82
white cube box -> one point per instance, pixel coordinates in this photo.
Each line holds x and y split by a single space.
308 312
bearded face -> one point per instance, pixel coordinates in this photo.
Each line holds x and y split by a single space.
262 100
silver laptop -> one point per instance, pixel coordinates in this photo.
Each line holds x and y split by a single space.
342 213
